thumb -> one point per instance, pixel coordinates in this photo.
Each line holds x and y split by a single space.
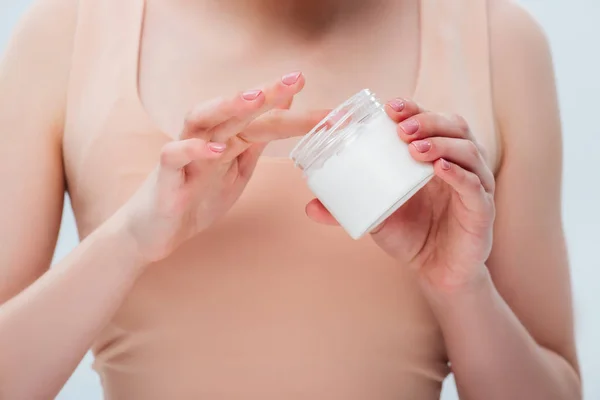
316 211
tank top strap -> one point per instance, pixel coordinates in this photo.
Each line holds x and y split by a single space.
103 80
455 72
455 65
108 30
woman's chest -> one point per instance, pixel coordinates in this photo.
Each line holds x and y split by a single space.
120 115
176 74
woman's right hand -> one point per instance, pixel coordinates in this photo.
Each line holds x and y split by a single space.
202 174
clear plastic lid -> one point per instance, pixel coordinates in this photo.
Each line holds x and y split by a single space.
336 130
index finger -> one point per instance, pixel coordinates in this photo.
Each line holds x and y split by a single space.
222 118
400 109
282 124
278 95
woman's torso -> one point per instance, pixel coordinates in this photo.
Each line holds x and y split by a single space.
265 304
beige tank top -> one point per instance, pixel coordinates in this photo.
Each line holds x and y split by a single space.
266 304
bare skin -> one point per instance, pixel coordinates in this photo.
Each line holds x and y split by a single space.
509 333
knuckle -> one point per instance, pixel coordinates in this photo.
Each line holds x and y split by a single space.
191 118
191 147
166 154
425 122
416 107
194 116
472 149
419 107
475 183
492 188
274 117
286 104
491 205
470 181
483 153
429 115
461 124
411 105
437 149
492 184
488 206
461 176
244 139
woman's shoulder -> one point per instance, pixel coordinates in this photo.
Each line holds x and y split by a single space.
37 61
42 43
49 24
511 24
517 40
522 68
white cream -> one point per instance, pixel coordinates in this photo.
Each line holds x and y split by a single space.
360 169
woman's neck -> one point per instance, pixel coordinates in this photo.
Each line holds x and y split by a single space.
306 19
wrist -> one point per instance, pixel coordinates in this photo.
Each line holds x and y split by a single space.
116 233
445 294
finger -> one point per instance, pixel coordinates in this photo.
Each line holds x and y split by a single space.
282 124
430 124
463 152
401 109
277 95
179 153
466 184
316 211
286 105
248 159
206 116
176 155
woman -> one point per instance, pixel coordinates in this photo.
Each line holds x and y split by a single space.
198 274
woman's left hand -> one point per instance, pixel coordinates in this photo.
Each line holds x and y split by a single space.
445 230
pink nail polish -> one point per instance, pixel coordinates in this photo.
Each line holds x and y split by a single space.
445 164
292 78
397 105
217 147
251 95
422 146
410 126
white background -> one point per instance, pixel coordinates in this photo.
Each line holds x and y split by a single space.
574 30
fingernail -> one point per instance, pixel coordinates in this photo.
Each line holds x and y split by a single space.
422 146
292 78
217 147
445 164
251 95
397 105
410 126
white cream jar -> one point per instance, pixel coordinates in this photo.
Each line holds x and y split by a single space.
357 166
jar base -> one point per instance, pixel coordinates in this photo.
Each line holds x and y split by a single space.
396 206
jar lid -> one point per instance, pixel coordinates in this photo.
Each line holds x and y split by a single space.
339 125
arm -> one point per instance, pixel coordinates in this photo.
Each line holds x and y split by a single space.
514 339
46 329
49 319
